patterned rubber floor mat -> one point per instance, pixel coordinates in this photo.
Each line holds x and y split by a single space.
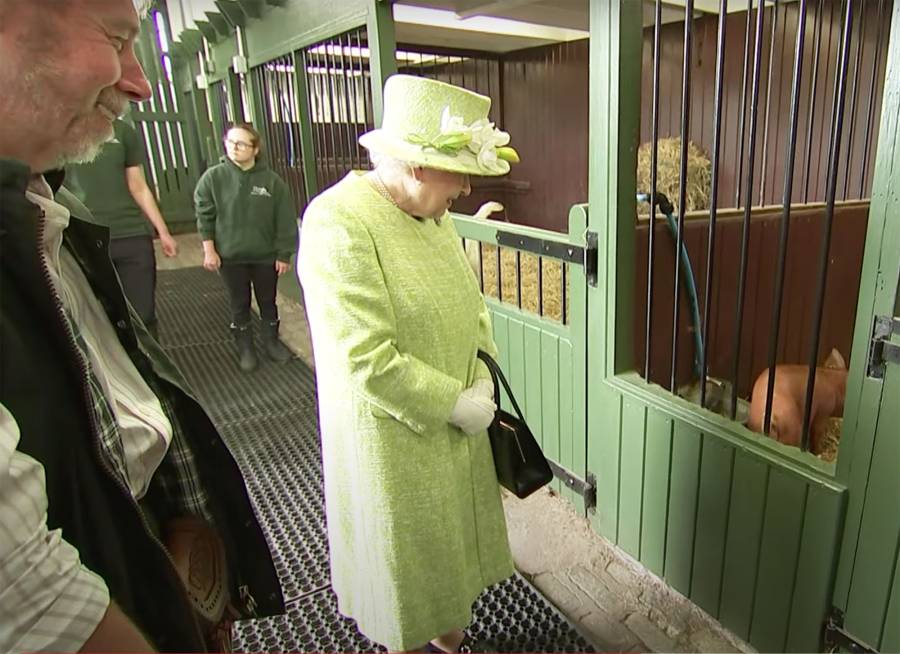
268 419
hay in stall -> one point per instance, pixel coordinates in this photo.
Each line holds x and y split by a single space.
668 167
827 447
551 281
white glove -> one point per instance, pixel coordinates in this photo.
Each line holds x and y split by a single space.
474 410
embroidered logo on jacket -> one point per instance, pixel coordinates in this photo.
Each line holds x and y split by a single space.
261 190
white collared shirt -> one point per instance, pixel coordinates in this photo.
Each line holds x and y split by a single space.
48 599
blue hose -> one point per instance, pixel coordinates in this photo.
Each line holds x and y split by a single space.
668 210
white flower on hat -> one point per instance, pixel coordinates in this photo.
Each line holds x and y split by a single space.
481 138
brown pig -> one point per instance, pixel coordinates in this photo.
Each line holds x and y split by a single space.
789 399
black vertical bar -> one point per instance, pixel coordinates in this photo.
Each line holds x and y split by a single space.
327 86
354 94
745 236
765 153
814 83
682 192
540 285
481 266
312 95
333 92
743 115
870 106
563 311
499 275
654 164
853 100
518 279
838 124
714 195
790 158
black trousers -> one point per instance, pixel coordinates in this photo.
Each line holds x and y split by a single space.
238 278
135 263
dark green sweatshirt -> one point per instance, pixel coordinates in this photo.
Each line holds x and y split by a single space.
249 214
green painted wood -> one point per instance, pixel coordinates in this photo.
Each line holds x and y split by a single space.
307 144
779 550
877 295
235 97
551 427
714 497
568 422
634 423
500 324
814 576
252 8
219 22
686 445
745 523
216 118
879 534
382 51
299 24
191 40
531 399
605 448
890 641
577 326
208 31
515 370
657 466
231 10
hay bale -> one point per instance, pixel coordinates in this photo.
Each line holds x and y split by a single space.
527 267
699 175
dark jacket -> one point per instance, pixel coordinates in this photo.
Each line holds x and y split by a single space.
44 386
249 214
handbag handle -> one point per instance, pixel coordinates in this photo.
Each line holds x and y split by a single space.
497 373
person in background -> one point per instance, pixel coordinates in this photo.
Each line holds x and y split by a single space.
104 454
114 188
248 223
415 523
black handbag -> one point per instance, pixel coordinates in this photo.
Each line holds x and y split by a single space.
521 466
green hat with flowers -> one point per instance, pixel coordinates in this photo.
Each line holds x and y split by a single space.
436 125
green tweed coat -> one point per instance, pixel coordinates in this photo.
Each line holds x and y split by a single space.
415 521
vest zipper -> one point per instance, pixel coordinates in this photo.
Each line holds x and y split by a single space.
79 359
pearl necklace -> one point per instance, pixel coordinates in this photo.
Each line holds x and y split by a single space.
382 190
379 186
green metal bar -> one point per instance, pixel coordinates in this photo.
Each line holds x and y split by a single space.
382 51
233 84
307 147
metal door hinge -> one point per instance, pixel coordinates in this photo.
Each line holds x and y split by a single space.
590 258
835 637
587 487
881 349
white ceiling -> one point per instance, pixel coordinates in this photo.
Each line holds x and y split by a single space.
538 22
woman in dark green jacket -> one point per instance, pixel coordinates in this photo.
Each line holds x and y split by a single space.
248 223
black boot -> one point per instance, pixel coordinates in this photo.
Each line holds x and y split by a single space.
243 338
272 346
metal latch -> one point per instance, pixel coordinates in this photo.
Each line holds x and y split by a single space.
587 488
836 638
881 349
584 256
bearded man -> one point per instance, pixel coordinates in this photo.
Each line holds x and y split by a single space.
105 458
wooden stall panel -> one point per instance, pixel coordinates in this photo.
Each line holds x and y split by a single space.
745 522
656 490
873 588
814 575
714 497
842 291
683 489
779 547
634 420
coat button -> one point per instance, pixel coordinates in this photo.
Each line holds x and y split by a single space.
99 245
122 324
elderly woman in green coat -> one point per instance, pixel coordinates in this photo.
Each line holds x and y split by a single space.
415 521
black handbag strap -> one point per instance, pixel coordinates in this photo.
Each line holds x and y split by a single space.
497 373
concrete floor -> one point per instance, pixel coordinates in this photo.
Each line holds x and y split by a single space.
612 599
